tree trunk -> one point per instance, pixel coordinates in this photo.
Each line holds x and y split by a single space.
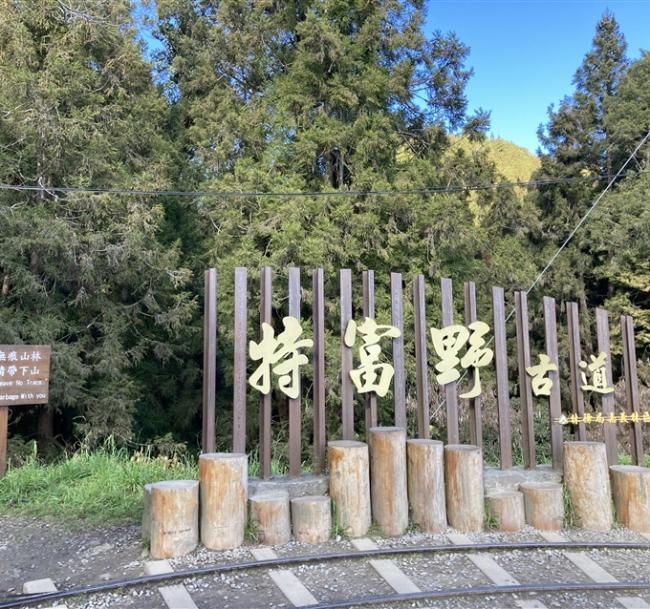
586 476
464 487
311 518
224 492
631 491
543 505
350 485
507 509
426 484
388 489
270 514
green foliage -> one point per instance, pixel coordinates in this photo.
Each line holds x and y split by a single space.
102 485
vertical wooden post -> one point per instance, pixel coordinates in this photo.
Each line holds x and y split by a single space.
525 391
397 320
451 394
294 404
369 311
632 388
554 400
209 359
475 421
609 429
419 314
501 363
266 302
318 320
239 361
347 397
577 399
4 437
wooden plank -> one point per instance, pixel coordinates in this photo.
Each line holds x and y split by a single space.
525 391
501 364
4 438
26 370
266 303
421 366
577 399
239 361
475 422
294 404
347 397
608 404
632 388
554 400
209 359
368 278
450 389
397 320
318 320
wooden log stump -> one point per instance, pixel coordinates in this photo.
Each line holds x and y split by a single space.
224 491
146 514
464 487
174 518
388 489
349 480
586 475
311 517
543 505
507 509
426 484
631 492
270 515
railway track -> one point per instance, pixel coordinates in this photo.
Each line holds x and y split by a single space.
482 558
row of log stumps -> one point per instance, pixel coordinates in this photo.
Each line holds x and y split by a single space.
389 480
593 486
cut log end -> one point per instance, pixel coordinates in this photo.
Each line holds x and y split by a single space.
631 493
426 484
270 515
543 505
464 487
507 510
311 518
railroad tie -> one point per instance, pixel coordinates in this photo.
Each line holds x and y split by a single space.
286 580
593 570
387 569
175 597
40 586
486 564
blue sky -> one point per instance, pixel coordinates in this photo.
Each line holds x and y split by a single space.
524 53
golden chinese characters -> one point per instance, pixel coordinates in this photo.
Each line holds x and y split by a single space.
596 369
370 375
449 341
541 384
281 356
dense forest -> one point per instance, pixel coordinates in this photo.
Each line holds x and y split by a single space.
321 97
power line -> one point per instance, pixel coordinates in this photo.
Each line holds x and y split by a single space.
552 259
290 194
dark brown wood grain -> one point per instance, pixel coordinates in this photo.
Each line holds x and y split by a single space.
503 390
632 388
209 359
266 305
475 421
239 360
450 389
347 396
318 320
397 320
421 365
368 279
294 404
577 399
525 391
608 404
554 400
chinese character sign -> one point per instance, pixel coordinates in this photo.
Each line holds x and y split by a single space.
370 375
597 381
24 374
449 341
541 384
281 356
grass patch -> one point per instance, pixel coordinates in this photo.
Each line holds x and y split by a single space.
104 485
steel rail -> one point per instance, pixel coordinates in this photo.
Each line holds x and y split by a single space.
472 591
24 600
